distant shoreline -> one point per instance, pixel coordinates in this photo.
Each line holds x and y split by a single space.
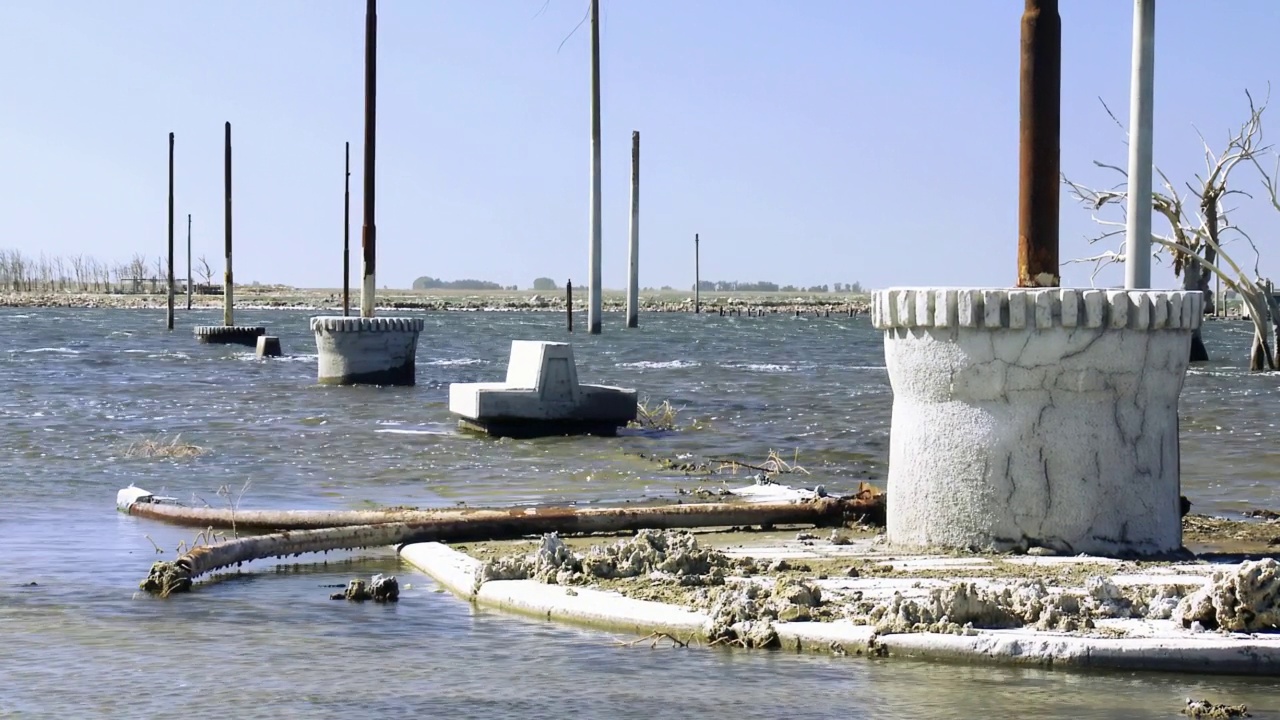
329 301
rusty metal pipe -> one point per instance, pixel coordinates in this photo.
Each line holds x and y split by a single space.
1040 113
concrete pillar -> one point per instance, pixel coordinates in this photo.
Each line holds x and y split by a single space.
594 301
268 346
633 264
366 351
229 334
1036 418
1137 264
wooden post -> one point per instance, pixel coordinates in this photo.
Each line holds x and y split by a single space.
169 316
568 303
369 231
188 261
228 282
633 263
697 277
594 303
346 237
1038 152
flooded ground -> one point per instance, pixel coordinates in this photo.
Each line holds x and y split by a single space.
81 386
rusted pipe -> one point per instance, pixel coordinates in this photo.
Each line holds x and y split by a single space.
1040 111
369 230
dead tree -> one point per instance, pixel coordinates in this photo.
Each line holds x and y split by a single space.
1196 235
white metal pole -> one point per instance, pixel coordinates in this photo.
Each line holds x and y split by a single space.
1137 267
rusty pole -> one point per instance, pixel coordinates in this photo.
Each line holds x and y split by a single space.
188 261
346 238
169 315
568 303
1038 151
228 283
369 231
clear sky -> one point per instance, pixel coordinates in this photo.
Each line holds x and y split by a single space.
807 141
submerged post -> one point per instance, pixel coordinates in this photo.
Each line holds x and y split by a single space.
228 332
568 303
697 277
594 302
367 350
346 237
228 284
1038 152
1137 262
188 261
169 316
633 264
369 231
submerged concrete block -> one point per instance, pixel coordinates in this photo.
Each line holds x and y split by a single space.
1056 429
229 334
268 346
542 397
366 351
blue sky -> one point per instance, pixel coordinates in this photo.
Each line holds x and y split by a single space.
812 141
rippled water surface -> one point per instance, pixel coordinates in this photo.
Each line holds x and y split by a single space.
78 387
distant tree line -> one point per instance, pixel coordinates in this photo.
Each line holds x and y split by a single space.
766 286
83 273
429 283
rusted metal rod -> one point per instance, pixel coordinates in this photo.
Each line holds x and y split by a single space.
568 303
346 238
169 315
228 282
1040 110
369 231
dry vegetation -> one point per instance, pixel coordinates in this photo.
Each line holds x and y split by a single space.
160 447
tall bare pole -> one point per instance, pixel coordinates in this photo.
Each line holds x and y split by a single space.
169 316
594 305
188 261
1137 261
346 238
697 276
228 282
633 264
1038 148
369 231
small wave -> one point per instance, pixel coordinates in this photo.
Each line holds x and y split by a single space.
55 350
762 367
660 364
403 431
455 362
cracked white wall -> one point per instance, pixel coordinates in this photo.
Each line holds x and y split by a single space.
1026 418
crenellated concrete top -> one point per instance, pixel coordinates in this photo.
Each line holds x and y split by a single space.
1016 309
338 323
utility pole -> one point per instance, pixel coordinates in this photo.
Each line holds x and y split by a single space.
228 282
633 264
169 315
1137 261
697 277
594 304
188 261
1040 122
369 231
346 238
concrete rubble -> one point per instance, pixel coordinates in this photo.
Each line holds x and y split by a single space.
854 596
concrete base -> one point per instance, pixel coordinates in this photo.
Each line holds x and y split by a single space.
1026 418
229 334
366 351
268 346
542 397
1123 637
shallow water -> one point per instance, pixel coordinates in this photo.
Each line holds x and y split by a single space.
80 386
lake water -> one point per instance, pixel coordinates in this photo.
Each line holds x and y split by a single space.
77 387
